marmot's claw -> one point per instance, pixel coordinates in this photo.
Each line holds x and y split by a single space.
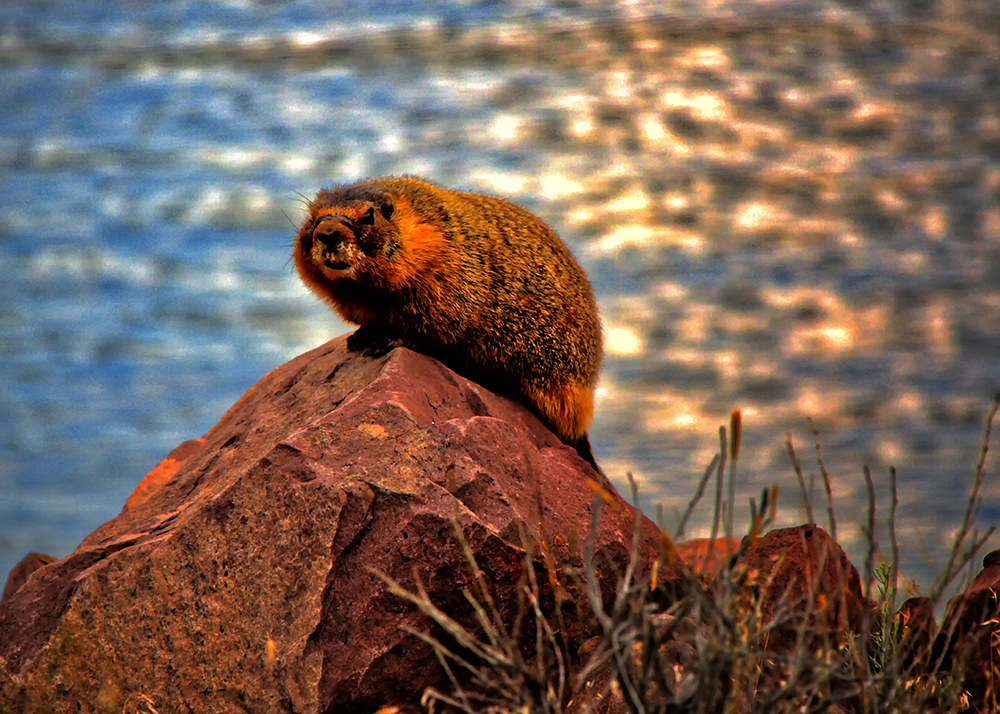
372 343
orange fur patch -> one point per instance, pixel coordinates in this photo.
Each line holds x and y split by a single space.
424 247
569 409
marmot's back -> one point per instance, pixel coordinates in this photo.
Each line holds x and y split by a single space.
477 281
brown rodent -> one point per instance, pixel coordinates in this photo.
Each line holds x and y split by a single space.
480 283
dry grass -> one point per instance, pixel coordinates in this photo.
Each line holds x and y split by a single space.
671 641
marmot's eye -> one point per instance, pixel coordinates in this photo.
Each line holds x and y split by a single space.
368 219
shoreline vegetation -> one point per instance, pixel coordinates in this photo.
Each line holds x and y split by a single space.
682 638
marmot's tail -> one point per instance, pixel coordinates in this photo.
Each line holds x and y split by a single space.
583 448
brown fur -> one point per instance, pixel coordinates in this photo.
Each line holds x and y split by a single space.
474 280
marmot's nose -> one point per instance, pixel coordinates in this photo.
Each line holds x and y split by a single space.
330 231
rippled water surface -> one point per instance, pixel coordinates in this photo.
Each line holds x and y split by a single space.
797 215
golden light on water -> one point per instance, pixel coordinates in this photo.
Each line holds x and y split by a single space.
652 129
578 216
634 200
913 262
672 291
675 201
810 401
502 183
622 341
619 84
299 164
773 221
707 57
678 414
939 332
728 364
935 222
705 106
582 126
907 403
759 216
691 241
991 223
554 186
633 235
506 127
827 341
891 200
694 326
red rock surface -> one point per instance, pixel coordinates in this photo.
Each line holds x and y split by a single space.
918 627
163 472
802 574
238 576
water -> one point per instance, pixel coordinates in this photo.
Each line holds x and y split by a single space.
797 215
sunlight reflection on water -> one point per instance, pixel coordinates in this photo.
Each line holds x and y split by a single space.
792 217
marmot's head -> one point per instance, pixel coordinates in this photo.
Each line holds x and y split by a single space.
349 235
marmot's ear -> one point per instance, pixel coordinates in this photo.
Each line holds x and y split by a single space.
387 208
367 218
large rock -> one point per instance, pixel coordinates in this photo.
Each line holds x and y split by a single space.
239 575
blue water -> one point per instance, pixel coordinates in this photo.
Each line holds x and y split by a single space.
800 218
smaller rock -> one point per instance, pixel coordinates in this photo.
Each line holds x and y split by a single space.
917 636
802 575
991 559
19 573
163 472
970 631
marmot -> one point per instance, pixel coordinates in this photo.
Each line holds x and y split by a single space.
476 281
